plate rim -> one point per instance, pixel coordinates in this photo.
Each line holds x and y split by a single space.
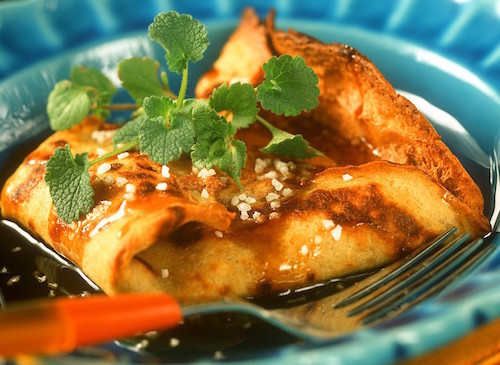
384 345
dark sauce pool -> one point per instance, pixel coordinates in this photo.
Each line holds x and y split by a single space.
31 270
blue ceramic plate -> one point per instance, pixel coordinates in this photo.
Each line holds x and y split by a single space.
445 51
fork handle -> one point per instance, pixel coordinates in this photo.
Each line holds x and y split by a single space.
61 325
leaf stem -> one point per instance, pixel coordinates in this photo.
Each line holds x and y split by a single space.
127 146
268 125
120 106
280 135
182 91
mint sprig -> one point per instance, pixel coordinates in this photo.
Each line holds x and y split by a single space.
290 86
69 184
100 89
184 38
237 101
130 131
139 76
165 127
215 144
68 179
155 106
71 101
166 133
287 144
67 105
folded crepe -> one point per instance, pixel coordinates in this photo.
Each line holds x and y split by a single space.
386 186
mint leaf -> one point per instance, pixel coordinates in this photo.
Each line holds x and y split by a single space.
71 101
67 106
233 160
139 77
289 87
166 143
129 131
69 184
184 38
237 99
99 88
215 144
287 144
158 106
82 76
211 131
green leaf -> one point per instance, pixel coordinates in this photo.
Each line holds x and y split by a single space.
237 99
67 106
99 88
211 130
233 160
69 184
208 124
287 144
215 144
164 144
129 131
184 38
158 106
289 87
139 77
71 101
82 76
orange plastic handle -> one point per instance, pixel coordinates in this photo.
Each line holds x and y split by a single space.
61 325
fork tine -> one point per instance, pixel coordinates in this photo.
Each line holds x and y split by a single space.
418 290
418 272
482 253
400 270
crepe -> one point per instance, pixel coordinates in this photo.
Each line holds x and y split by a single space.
200 237
358 107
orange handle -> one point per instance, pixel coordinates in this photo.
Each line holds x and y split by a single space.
60 325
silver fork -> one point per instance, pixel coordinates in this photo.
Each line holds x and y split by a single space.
392 290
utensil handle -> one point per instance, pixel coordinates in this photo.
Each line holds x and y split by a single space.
32 328
60 325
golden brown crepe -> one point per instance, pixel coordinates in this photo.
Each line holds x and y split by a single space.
358 107
297 222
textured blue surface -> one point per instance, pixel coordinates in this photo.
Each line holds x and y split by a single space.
445 51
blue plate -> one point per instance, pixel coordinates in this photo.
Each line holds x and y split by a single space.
445 51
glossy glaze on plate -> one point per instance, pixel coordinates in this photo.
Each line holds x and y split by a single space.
451 59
